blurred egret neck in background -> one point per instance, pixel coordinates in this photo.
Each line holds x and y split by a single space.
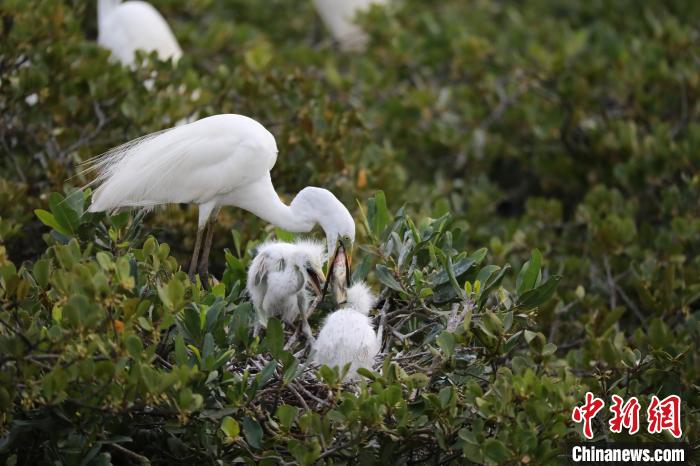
339 18
127 27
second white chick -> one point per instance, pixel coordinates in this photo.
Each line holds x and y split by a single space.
348 336
279 280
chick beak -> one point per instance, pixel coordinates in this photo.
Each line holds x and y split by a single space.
316 280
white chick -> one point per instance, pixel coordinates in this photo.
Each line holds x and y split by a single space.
348 336
279 280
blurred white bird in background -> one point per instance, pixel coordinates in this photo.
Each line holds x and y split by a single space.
347 335
283 279
127 27
222 160
339 18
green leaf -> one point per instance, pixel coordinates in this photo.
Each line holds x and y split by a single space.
393 395
496 451
40 270
460 268
253 432
446 395
492 283
134 346
485 274
479 255
381 217
119 220
446 341
328 374
529 335
266 374
230 427
527 278
290 370
453 279
385 276
173 294
180 352
208 345
366 373
284 235
286 414
549 348
144 323
75 201
48 219
219 290
493 323
63 213
274 337
105 260
533 298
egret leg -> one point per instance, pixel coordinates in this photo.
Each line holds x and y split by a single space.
195 253
306 329
204 263
292 340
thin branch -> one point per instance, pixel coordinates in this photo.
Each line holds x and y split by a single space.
612 286
299 397
131 454
632 306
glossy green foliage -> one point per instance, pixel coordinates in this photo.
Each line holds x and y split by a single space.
99 339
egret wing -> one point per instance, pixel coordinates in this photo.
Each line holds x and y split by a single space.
191 163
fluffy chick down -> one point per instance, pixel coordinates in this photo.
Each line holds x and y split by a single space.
280 277
348 335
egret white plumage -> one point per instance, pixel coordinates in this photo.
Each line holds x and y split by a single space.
222 160
134 25
348 336
282 279
339 18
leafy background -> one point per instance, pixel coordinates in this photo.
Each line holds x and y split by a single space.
562 137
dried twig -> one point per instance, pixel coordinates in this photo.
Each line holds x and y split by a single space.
612 286
131 454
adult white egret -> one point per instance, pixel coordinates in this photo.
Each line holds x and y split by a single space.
339 18
347 335
222 160
282 279
127 27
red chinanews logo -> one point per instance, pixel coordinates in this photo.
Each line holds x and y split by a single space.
661 415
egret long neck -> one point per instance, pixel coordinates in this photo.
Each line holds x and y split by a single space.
104 7
261 199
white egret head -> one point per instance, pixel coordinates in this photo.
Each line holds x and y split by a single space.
320 206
